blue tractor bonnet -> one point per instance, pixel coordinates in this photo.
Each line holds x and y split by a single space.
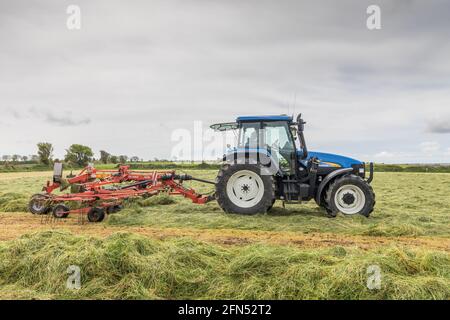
333 160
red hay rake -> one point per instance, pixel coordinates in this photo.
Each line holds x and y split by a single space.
100 192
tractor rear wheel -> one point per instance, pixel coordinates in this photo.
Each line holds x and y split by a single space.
38 204
242 189
61 211
96 214
350 195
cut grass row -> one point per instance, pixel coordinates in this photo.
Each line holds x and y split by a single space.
128 266
408 204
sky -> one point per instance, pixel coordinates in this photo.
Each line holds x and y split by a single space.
136 73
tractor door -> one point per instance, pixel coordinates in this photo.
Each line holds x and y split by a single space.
249 135
279 141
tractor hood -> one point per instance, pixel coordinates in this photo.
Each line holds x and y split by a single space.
326 159
333 160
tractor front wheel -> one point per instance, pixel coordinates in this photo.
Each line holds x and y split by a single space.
242 189
350 195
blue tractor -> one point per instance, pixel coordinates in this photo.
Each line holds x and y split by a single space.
271 162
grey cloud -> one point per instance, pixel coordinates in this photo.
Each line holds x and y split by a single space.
439 125
59 118
65 121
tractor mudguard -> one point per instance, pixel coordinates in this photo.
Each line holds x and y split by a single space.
253 157
327 180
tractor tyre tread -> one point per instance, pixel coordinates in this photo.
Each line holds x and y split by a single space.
370 194
225 203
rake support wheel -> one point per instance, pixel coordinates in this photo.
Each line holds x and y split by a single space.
61 211
96 214
38 204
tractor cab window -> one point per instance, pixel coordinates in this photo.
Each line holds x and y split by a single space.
249 135
279 141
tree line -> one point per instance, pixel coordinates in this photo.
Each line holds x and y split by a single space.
76 155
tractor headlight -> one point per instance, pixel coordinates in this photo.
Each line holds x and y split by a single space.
362 171
359 169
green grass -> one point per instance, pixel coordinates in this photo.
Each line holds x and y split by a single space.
428 168
128 266
145 165
408 204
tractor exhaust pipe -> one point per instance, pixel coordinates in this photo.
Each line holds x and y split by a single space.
301 137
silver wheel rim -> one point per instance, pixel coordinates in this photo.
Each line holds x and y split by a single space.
245 189
38 204
349 199
60 212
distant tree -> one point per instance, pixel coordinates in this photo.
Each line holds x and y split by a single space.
15 157
105 157
123 159
34 157
45 152
6 157
79 155
134 159
114 159
24 158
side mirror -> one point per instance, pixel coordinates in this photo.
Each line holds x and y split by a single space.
300 123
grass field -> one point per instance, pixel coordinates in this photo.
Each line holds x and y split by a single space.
169 248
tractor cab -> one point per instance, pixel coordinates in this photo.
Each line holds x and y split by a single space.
279 137
272 135
271 161
282 139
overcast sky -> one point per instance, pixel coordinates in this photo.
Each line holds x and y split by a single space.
137 70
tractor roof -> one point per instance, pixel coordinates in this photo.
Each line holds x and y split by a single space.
282 117
234 125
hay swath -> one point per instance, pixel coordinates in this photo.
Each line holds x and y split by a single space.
99 192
